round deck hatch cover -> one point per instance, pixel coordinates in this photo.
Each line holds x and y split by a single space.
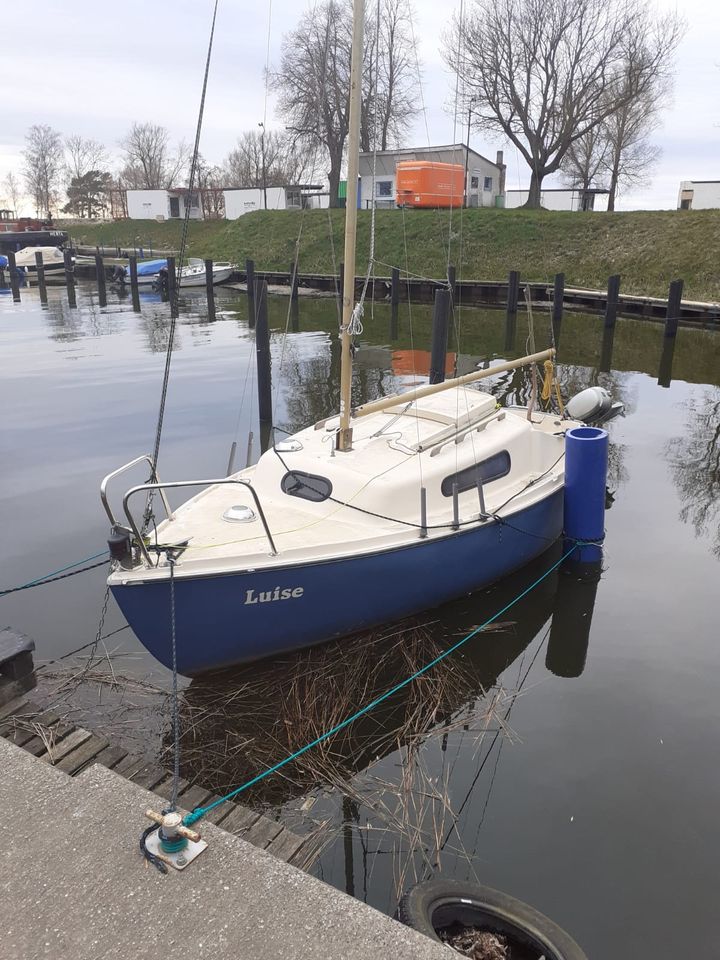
239 513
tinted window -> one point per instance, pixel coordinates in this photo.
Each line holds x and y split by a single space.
307 486
487 470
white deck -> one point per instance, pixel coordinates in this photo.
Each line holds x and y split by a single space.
377 483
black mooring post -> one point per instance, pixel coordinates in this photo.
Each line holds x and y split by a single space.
674 306
341 285
134 284
172 286
262 351
250 281
100 277
452 281
293 282
606 350
438 349
666 362
69 278
209 289
14 278
295 316
394 302
557 309
40 270
613 300
512 307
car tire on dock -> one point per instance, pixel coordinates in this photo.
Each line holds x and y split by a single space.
437 904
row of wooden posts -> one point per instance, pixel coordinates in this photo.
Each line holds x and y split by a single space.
446 297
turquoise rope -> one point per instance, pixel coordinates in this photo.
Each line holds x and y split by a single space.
77 563
199 812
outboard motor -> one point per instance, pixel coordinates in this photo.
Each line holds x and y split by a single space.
593 406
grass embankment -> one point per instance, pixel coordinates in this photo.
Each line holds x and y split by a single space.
648 249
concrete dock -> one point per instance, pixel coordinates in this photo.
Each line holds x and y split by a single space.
74 886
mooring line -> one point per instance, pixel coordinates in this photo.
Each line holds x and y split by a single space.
200 812
60 574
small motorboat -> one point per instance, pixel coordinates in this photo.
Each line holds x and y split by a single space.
53 260
193 274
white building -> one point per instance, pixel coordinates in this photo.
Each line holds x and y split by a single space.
241 200
164 204
699 195
561 198
485 180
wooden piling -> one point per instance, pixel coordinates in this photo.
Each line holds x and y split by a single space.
262 352
341 285
134 284
293 281
295 316
613 301
558 302
666 362
100 277
674 305
14 279
172 286
210 289
440 321
40 269
394 302
512 307
69 278
452 281
606 350
250 281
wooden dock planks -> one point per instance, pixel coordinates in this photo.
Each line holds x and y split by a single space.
73 749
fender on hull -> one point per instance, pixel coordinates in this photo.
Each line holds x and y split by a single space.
234 618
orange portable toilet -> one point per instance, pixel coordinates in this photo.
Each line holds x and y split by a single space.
424 183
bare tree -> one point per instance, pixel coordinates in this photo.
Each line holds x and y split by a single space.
585 160
12 188
397 68
150 164
543 73
313 79
211 181
287 160
43 166
630 155
82 155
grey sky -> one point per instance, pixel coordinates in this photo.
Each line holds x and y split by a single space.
93 68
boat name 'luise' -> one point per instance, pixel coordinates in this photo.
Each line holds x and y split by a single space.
265 596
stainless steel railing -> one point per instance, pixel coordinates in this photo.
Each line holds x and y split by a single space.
145 458
177 484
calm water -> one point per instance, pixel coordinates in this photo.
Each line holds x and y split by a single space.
591 789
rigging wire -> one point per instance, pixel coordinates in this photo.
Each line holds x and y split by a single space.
176 293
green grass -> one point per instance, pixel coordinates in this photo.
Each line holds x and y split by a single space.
648 249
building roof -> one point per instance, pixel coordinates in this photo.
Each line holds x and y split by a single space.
282 186
433 149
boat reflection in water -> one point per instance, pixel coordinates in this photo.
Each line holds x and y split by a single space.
236 724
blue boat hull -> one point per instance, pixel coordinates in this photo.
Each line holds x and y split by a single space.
234 618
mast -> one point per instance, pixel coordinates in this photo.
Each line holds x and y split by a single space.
344 437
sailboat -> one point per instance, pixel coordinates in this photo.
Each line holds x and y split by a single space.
382 511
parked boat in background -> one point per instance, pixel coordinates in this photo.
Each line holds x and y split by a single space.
193 274
53 259
148 272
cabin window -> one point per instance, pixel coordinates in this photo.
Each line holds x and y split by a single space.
383 188
474 183
487 184
487 470
307 486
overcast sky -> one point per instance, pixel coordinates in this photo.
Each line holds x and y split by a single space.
92 68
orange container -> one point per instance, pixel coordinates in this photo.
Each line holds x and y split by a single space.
424 183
